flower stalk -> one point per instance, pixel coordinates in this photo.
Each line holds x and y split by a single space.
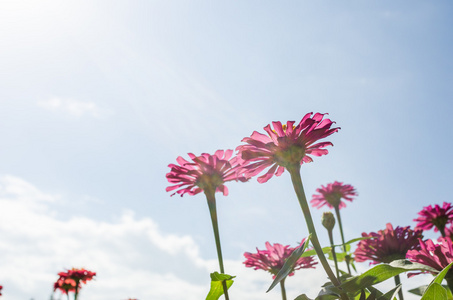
210 196
398 282
282 286
340 225
294 171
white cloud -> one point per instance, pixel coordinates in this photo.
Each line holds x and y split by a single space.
132 257
74 107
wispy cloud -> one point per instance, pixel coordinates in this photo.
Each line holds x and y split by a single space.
75 107
132 257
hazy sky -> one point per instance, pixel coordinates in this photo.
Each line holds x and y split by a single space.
98 97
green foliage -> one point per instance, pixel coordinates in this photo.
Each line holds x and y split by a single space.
390 295
380 273
289 264
435 290
371 277
325 250
421 290
217 286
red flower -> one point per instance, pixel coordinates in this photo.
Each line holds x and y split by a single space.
273 259
437 256
65 285
435 216
1 288
206 172
388 244
285 145
331 195
71 280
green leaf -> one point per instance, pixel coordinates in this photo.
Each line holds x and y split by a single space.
288 266
390 295
216 285
325 250
355 240
371 277
438 279
302 297
435 289
381 273
419 291
435 292
376 292
412 266
340 256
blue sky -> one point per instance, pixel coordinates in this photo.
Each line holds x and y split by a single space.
97 98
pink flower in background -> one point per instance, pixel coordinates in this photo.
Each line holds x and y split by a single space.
65 285
437 217
205 172
332 193
437 256
79 275
388 244
71 280
285 145
273 259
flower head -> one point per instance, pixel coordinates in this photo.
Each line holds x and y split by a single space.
285 146
388 244
332 194
328 220
435 216
437 256
273 258
66 285
205 172
71 280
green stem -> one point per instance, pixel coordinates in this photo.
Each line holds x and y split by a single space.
337 212
210 196
449 282
76 290
397 282
294 171
282 286
442 231
333 253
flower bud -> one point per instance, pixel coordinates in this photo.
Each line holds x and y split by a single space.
328 220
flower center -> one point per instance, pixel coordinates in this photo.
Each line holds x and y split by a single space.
334 199
440 222
209 181
289 156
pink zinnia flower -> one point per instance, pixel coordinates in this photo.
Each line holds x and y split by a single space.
65 285
332 193
388 244
205 172
273 259
437 256
285 146
71 280
435 216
